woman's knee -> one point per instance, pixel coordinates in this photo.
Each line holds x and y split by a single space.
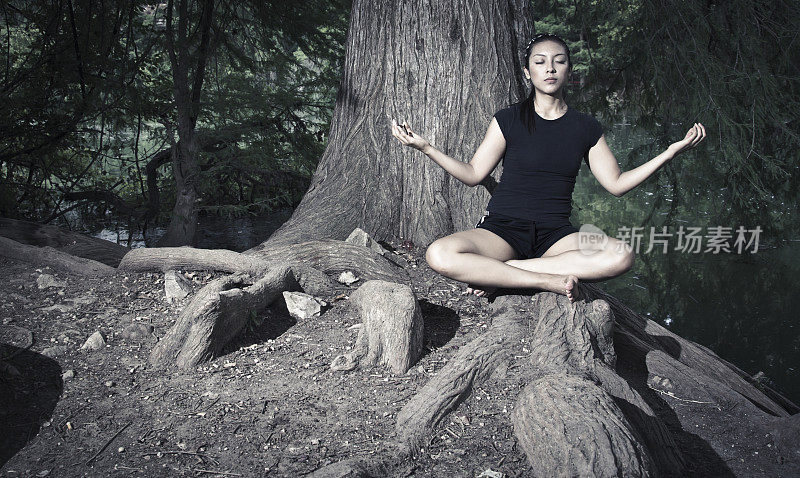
621 257
440 254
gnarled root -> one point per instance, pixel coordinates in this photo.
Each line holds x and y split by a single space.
472 364
392 328
222 308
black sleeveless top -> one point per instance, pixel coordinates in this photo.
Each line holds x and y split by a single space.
539 169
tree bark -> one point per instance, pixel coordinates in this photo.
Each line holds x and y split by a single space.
391 328
183 223
53 258
69 242
424 62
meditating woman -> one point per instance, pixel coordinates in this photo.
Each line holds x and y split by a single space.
525 239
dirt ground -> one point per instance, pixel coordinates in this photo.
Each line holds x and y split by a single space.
271 405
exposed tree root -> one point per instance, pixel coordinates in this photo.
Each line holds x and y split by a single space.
568 426
53 258
472 364
73 243
636 336
222 308
577 415
329 256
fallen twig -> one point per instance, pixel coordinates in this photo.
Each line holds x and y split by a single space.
90 460
214 472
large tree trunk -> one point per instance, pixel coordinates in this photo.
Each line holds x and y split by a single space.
446 67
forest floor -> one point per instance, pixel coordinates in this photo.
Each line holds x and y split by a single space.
270 405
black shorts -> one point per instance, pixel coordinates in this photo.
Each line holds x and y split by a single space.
530 239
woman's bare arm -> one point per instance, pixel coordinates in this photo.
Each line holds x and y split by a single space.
483 162
605 168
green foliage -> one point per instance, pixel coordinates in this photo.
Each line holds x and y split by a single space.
107 107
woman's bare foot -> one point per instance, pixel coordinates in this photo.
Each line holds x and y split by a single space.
481 292
573 288
567 285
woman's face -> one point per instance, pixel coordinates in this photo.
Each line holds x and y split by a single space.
548 67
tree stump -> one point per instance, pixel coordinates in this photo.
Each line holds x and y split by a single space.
392 328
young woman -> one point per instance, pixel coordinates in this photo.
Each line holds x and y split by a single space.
525 239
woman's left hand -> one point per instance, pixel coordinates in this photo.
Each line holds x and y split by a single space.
693 137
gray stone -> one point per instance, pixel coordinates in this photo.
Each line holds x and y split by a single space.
137 332
302 306
96 341
361 238
62 308
55 351
176 286
347 277
45 281
68 375
84 300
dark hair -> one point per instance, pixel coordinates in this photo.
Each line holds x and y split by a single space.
526 105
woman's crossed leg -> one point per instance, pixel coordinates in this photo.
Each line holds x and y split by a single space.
477 256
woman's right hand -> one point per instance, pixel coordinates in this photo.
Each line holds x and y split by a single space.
409 139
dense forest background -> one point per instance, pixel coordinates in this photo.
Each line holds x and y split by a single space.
121 114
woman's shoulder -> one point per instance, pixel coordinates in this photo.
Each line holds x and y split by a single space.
584 116
508 109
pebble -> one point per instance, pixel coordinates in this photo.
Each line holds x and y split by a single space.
176 286
347 277
137 331
68 375
55 351
95 341
45 281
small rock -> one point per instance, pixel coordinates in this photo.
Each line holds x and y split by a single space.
347 277
84 300
55 351
302 306
63 308
176 286
45 281
121 449
109 384
96 341
489 473
293 450
137 332
68 375
361 238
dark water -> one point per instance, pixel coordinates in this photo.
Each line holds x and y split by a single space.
743 307
214 232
